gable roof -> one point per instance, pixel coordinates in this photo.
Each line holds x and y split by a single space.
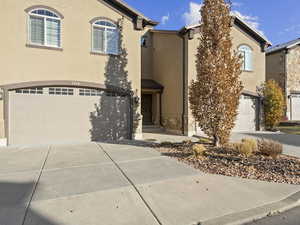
128 10
286 45
258 36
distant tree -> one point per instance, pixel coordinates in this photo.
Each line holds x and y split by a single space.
214 95
274 104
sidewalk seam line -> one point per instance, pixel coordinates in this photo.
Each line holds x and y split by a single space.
35 186
132 184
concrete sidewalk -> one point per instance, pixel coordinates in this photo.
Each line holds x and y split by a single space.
109 184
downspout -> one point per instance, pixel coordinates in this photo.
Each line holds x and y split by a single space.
260 104
131 117
160 109
285 81
183 82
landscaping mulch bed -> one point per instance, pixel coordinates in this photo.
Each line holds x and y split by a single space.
284 169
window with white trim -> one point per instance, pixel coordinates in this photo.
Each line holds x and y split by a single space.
90 92
61 91
247 59
44 28
105 37
30 91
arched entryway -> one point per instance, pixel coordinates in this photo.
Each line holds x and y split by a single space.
66 111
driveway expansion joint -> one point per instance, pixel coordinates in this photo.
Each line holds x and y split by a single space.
132 184
35 186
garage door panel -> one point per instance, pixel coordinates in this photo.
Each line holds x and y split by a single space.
295 107
45 118
247 114
110 109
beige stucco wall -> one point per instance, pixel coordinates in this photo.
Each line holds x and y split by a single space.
251 80
147 57
75 62
167 70
275 67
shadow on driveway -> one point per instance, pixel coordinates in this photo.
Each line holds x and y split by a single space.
14 198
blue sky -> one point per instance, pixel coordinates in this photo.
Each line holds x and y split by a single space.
279 20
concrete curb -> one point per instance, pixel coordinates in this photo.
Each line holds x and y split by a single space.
256 213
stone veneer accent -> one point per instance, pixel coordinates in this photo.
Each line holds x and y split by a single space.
293 69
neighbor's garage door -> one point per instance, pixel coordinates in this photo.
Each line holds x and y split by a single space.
247 117
61 115
295 106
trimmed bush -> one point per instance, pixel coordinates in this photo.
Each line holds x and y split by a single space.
274 104
270 148
244 148
199 150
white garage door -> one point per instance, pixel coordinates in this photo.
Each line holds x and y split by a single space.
62 115
247 117
295 104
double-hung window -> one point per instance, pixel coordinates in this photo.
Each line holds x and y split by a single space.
44 28
246 53
105 37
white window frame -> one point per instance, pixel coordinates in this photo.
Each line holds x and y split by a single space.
243 53
58 18
105 36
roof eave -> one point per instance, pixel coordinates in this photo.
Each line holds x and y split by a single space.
133 12
259 36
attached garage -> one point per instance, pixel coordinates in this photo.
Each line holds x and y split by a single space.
62 114
248 119
295 106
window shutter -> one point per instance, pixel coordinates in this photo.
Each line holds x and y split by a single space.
98 39
37 30
53 32
112 41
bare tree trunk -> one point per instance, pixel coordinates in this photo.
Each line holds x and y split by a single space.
216 141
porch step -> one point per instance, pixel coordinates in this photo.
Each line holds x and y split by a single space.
153 129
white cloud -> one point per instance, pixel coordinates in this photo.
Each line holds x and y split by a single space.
193 16
165 19
252 21
293 29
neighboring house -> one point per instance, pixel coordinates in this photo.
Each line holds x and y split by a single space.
60 78
168 66
283 66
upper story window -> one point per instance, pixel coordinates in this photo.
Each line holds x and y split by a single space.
44 28
246 53
105 37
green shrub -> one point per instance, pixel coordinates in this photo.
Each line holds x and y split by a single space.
270 148
199 150
252 143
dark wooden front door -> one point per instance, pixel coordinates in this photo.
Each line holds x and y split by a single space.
147 109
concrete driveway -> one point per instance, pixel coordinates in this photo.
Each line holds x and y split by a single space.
108 184
291 143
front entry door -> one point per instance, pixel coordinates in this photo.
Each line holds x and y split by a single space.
147 109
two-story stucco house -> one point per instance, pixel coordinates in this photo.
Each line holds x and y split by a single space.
283 66
70 70
168 66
